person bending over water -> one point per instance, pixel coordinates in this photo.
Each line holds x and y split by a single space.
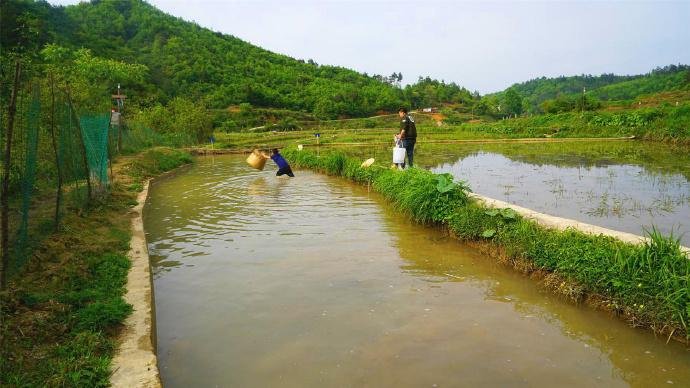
283 166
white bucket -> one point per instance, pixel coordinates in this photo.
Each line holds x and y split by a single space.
398 155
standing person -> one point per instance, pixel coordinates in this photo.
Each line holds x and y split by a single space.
408 134
283 166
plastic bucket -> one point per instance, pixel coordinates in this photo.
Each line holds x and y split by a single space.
398 155
256 160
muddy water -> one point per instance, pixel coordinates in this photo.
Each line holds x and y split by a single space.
627 186
263 281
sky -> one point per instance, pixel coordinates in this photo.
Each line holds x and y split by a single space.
481 45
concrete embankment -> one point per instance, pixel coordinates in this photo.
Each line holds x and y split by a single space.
135 364
560 223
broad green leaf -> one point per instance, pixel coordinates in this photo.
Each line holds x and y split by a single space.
444 183
508 213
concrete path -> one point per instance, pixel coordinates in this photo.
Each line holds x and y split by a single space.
559 223
135 363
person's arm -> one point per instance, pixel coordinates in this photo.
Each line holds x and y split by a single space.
403 127
265 155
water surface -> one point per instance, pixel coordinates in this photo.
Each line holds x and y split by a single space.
629 186
310 282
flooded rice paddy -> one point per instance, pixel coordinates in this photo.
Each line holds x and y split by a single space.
628 186
263 281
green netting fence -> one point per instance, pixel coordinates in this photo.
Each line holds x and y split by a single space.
70 155
79 154
61 156
94 129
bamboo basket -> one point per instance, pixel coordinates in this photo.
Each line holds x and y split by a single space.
256 160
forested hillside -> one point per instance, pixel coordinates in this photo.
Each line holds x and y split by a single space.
603 87
185 59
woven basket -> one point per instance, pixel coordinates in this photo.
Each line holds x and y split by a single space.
256 160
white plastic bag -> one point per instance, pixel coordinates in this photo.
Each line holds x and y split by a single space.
398 155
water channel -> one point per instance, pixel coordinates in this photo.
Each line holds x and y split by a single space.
264 281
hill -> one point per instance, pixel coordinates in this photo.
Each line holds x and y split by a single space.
605 87
185 59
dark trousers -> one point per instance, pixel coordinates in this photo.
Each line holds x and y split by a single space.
408 144
285 171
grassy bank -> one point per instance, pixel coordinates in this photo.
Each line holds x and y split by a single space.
62 311
649 285
667 123
366 137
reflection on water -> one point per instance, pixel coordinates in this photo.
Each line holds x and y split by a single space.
624 186
265 281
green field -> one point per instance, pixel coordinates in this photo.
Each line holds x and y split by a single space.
667 123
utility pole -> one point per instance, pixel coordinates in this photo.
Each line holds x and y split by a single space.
120 101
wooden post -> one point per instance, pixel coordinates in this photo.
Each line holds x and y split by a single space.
6 179
110 154
83 145
119 138
58 198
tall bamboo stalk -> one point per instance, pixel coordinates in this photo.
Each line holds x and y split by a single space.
58 165
4 240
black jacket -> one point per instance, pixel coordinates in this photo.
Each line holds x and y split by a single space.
407 125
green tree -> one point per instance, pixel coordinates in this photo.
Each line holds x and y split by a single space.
287 124
184 118
513 102
91 79
586 103
229 125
